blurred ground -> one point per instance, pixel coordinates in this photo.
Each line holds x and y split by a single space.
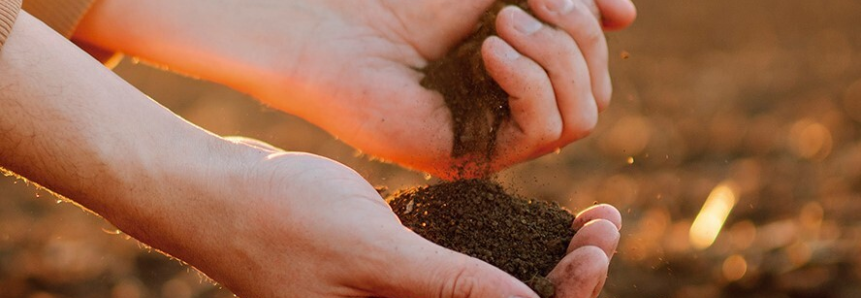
757 102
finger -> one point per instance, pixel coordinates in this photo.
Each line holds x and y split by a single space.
253 143
577 19
617 14
535 116
422 269
602 211
558 54
581 273
600 233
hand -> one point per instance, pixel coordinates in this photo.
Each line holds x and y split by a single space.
305 226
360 69
350 66
583 271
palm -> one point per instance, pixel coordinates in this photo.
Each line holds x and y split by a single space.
362 233
364 70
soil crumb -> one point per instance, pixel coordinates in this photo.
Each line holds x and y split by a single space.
477 103
525 238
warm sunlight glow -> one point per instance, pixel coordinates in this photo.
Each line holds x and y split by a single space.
711 218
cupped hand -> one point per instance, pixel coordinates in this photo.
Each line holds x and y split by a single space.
357 73
354 67
307 226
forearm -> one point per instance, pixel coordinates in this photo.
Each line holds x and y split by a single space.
71 125
229 42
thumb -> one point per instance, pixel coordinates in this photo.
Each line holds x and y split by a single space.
426 270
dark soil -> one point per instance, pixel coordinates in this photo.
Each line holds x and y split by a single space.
477 103
525 238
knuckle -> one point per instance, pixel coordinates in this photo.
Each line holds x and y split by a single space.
585 26
592 36
552 133
604 226
592 261
565 53
545 140
546 132
591 252
461 285
604 99
580 127
564 43
587 9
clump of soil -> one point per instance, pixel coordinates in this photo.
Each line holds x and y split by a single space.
477 103
525 238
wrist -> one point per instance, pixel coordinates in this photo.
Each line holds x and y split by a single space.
229 42
229 210
181 200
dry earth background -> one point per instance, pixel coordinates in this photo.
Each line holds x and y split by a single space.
762 95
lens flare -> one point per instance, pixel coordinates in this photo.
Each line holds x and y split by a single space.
712 216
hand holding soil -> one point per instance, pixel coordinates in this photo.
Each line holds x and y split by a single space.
339 239
489 97
532 240
354 67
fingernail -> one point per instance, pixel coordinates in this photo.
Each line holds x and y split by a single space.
507 52
559 6
524 23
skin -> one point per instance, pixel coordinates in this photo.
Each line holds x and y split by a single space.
359 59
241 211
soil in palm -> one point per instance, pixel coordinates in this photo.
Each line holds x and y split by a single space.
523 237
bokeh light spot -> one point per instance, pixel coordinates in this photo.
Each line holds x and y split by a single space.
810 140
712 216
734 267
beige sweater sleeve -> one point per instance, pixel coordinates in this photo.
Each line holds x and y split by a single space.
62 15
8 13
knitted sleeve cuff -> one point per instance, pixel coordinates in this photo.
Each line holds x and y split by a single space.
64 16
61 15
8 12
